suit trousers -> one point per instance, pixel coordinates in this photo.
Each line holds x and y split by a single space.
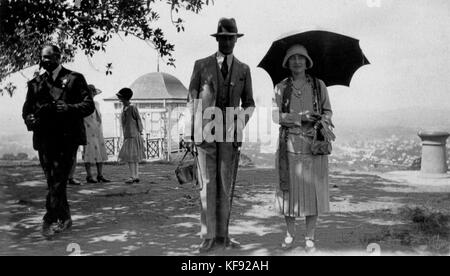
217 169
56 161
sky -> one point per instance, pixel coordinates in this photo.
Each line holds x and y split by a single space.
407 43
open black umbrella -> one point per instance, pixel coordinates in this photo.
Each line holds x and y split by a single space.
336 57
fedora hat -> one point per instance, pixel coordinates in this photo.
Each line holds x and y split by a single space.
297 49
227 26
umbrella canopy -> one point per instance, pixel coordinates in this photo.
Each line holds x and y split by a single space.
336 57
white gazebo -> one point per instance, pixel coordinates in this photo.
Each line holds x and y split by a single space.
158 96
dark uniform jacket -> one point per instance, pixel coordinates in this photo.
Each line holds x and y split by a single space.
50 127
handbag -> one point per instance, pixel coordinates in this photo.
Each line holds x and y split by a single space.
186 173
323 134
320 145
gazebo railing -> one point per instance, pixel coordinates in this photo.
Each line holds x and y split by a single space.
113 145
153 147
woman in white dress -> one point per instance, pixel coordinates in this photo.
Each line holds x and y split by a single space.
95 151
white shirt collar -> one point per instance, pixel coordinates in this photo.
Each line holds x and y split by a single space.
220 57
56 72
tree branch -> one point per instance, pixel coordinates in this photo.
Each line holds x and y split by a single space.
23 75
18 71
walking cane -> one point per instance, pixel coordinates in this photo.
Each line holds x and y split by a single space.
234 167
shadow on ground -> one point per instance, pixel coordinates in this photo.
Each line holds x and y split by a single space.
159 217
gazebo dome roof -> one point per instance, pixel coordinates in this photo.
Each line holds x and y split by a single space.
158 86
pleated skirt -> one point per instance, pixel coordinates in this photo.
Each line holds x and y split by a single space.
132 150
308 193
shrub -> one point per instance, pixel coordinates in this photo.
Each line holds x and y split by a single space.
22 156
428 221
9 157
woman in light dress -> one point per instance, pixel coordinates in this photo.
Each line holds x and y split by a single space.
132 151
94 153
299 102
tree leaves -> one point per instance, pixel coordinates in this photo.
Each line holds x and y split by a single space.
87 25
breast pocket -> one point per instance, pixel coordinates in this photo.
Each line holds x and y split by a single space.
238 86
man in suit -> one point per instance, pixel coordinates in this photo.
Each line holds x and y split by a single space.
220 97
56 103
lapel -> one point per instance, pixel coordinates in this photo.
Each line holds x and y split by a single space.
41 81
57 90
61 73
212 67
42 87
235 67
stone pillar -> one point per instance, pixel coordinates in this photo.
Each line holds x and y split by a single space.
434 153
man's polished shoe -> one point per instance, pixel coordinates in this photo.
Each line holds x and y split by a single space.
64 226
74 182
47 231
231 244
228 243
206 246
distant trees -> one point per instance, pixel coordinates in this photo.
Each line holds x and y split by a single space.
11 157
22 156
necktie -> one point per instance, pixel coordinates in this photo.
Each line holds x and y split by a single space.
224 68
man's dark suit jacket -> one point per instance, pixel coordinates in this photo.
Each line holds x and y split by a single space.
52 127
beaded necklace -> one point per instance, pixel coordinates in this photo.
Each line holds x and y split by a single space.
298 91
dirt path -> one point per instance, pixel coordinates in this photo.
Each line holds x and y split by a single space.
159 217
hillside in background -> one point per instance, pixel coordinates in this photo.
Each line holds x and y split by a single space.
376 140
414 119
17 143
365 132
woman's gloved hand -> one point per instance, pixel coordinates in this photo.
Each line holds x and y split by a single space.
311 117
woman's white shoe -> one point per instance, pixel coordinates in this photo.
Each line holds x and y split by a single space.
310 247
288 242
